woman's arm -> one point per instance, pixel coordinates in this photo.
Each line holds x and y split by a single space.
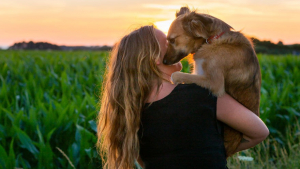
140 161
235 115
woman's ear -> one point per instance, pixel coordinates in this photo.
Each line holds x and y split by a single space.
158 61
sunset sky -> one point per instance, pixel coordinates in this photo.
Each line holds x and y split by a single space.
103 22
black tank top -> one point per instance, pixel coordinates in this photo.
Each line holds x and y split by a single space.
181 131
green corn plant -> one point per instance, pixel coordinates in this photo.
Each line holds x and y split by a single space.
49 103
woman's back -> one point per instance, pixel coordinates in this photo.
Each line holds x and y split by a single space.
181 131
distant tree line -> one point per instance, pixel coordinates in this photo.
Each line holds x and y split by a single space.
34 46
264 47
48 46
267 47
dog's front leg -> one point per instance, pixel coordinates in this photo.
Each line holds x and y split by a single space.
212 81
179 77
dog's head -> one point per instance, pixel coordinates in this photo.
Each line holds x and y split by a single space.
186 34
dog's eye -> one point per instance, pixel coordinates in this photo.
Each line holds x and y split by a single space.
172 41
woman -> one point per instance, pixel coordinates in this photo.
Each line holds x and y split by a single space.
145 117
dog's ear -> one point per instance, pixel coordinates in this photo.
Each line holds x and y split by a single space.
182 10
197 25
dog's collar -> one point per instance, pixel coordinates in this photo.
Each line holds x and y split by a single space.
208 41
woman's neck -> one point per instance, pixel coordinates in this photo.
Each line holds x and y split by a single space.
166 77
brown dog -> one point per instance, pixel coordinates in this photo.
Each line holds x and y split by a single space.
224 61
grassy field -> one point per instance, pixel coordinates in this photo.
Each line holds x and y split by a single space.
49 102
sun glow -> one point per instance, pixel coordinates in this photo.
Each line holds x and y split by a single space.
163 25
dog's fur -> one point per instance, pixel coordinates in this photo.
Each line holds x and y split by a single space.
228 63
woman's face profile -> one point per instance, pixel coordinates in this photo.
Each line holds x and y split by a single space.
163 43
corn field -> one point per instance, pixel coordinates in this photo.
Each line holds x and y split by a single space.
49 104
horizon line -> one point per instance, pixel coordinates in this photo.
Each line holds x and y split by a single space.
7 46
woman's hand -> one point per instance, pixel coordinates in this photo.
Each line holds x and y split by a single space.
235 115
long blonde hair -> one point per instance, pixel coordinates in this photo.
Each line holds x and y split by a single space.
130 77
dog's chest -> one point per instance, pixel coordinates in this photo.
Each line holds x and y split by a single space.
198 66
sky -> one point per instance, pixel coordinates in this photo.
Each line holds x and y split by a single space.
104 22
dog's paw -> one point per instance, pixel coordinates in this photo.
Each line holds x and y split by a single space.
218 92
175 78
